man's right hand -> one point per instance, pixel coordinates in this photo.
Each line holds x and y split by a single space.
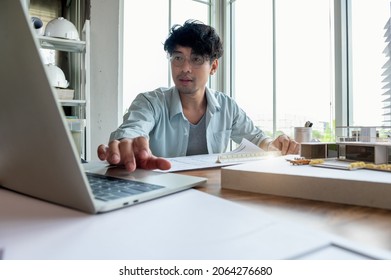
132 153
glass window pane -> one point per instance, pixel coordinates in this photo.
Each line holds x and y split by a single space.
303 73
183 10
144 60
304 66
252 46
145 64
370 63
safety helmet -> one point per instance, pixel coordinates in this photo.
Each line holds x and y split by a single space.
61 28
56 76
37 25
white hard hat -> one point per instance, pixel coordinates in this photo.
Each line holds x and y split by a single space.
61 28
37 25
56 76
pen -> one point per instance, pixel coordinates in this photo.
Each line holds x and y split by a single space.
308 124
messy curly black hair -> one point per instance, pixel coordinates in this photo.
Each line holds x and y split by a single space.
201 38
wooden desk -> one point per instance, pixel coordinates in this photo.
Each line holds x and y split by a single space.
367 226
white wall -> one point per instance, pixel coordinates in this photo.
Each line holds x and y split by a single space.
106 84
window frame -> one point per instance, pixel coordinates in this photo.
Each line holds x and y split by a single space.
339 55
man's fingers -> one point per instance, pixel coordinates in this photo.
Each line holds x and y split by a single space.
102 152
287 145
141 148
112 153
155 163
294 148
163 164
144 157
127 154
132 154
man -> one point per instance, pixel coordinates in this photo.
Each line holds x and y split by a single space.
188 118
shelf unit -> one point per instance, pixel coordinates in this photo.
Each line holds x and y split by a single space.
79 59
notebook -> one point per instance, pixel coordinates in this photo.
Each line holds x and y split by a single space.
37 154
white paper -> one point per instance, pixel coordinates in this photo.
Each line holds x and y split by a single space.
246 148
195 162
189 225
246 151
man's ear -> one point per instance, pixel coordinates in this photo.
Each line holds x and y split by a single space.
214 66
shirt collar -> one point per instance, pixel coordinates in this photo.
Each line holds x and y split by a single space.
213 104
176 105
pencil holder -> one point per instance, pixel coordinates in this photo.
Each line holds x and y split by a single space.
303 134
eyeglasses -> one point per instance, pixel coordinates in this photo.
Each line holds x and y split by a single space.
196 60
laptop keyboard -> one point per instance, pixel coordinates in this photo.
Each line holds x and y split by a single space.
108 188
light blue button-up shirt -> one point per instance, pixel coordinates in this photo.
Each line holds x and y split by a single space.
158 116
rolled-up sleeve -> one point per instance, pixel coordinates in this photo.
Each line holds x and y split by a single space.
138 121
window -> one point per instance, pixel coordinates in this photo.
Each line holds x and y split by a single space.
283 64
145 65
252 48
369 63
182 10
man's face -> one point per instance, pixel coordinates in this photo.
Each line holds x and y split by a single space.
190 71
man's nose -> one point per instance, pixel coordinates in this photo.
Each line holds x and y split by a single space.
187 66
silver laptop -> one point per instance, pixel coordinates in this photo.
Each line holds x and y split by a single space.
37 154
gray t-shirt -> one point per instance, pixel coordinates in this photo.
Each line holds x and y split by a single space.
197 138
